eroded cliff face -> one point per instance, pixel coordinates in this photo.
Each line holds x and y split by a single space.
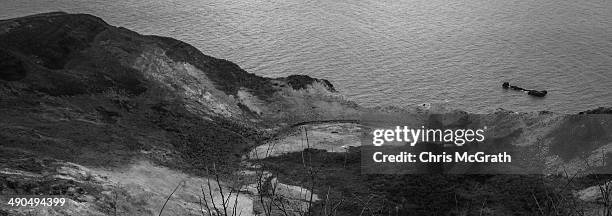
74 89
75 67
74 54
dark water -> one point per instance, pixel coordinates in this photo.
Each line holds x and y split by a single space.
381 52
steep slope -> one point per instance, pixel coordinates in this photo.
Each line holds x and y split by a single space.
72 54
74 89
93 75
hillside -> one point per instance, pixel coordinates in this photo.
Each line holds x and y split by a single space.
127 124
75 90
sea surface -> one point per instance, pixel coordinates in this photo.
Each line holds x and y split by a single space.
399 52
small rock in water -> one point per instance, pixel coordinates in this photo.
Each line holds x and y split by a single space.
531 92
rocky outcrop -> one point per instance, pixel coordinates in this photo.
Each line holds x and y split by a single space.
531 92
298 82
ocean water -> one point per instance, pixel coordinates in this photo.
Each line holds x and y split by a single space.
400 52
